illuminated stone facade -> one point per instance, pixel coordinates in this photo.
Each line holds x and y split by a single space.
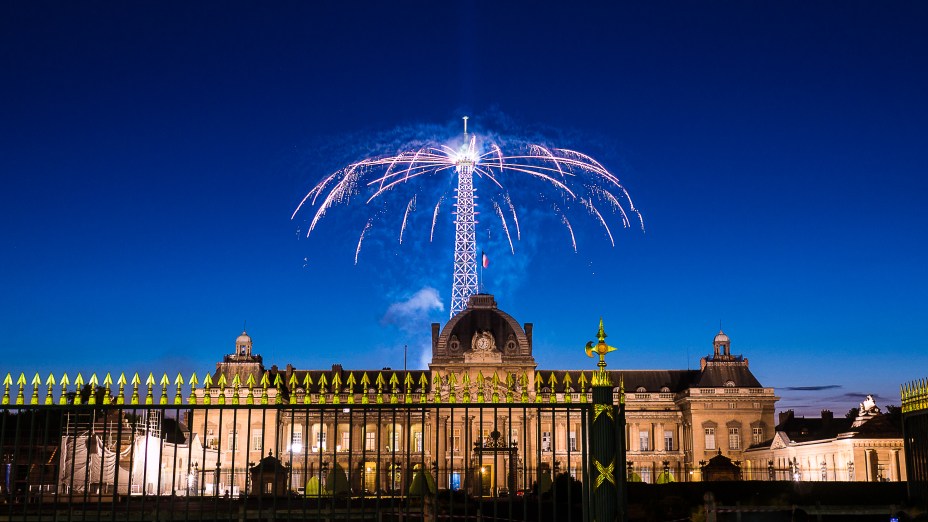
675 418
866 448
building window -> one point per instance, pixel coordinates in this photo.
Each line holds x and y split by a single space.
257 439
643 442
731 405
668 441
370 441
417 441
233 440
346 440
513 436
211 440
757 435
456 440
546 441
734 438
572 441
296 438
319 438
710 438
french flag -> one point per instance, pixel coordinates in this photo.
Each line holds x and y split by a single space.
486 260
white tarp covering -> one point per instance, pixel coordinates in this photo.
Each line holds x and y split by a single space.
86 464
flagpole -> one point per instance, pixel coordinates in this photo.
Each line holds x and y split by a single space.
480 281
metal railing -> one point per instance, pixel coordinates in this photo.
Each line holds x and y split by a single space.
402 461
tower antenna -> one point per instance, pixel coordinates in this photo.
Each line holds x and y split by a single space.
465 125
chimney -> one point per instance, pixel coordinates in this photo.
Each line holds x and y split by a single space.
528 332
785 416
827 417
336 368
435 332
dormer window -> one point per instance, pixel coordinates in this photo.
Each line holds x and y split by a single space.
729 384
641 389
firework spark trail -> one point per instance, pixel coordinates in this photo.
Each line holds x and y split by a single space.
615 205
489 175
547 153
502 219
411 206
499 154
592 208
435 218
573 240
360 239
339 193
515 218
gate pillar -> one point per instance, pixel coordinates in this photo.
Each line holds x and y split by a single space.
607 440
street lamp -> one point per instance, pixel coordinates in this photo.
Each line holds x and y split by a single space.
248 476
192 479
323 471
216 481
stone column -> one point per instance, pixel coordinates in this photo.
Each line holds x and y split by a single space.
660 438
867 465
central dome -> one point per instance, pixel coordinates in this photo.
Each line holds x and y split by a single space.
481 327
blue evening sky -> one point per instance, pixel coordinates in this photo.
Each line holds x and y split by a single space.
152 154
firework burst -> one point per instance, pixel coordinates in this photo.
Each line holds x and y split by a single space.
570 181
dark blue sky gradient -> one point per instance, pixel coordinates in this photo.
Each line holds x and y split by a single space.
152 153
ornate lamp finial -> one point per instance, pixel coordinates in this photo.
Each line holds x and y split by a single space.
600 377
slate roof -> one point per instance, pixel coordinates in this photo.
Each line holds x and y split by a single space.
716 375
802 429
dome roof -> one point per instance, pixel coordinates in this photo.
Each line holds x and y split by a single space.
721 337
482 315
243 339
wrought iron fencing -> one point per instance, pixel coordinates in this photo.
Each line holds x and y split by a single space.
404 461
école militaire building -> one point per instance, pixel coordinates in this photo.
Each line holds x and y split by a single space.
676 419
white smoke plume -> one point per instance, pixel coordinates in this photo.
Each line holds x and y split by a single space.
412 315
